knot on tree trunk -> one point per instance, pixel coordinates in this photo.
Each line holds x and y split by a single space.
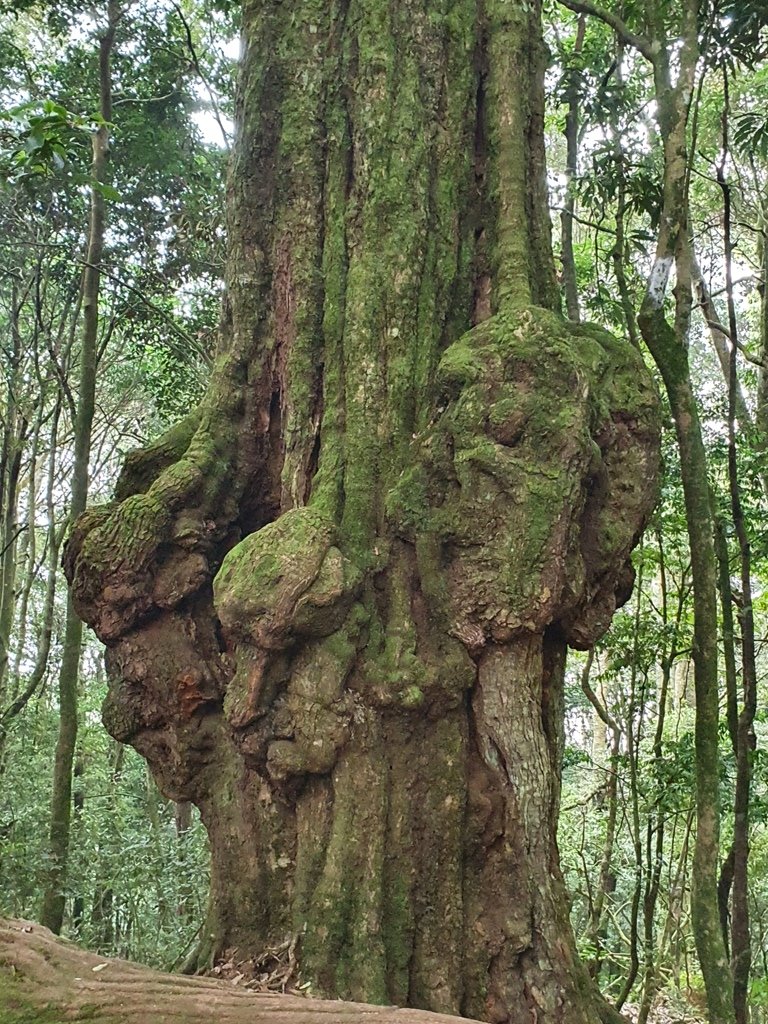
534 479
288 583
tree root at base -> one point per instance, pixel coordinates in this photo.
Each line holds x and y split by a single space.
47 980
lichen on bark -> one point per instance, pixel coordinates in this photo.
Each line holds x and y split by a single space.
336 603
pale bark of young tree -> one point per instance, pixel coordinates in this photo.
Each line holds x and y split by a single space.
656 819
52 911
719 337
620 254
761 409
606 882
673 937
102 917
633 724
28 567
337 598
668 345
9 533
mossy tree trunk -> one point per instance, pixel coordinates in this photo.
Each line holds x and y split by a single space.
336 599
667 342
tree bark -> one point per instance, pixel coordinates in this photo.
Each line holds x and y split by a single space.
336 600
668 344
571 132
44 638
741 949
14 428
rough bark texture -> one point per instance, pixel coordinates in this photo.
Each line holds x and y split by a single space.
336 600
45 980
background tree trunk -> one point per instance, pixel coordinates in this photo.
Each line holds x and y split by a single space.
337 598
668 344
54 898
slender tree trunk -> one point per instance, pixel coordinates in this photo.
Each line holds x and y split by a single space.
28 557
52 911
725 881
607 877
8 550
721 344
45 634
570 283
656 820
14 430
182 817
634 727
152 796
620 255
337 601
78 806
668 345
761 405
741 951
673 364
102 921
674 927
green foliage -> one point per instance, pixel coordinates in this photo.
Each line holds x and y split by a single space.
41 139
739 31
751 133
139 885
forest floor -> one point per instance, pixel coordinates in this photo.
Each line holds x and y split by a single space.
47 980
668 1009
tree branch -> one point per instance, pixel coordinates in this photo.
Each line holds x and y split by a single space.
640 43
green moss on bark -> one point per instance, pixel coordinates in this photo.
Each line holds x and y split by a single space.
504 481
374 497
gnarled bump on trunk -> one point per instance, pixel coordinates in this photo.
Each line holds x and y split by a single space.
336 599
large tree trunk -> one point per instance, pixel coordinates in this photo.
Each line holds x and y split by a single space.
336 600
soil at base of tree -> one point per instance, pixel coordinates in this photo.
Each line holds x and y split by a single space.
46 980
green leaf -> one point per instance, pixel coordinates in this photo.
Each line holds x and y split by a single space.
34 141
107 191
751 133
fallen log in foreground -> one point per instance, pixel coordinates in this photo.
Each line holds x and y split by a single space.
47 980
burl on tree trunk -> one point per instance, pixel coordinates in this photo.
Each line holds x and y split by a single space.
336 599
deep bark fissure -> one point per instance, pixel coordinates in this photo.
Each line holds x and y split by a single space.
359 681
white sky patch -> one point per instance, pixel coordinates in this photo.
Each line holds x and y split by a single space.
216 129
210 130
233 48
